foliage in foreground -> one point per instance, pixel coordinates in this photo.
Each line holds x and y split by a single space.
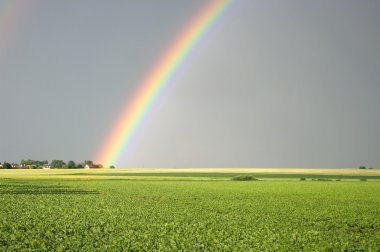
106 215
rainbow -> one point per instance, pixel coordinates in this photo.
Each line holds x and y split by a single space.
155 81
11 13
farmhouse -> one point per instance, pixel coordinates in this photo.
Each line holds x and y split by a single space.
88 166
92 166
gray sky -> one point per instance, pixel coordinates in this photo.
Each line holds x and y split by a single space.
274 84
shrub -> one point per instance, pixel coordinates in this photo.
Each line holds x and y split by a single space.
363 179
244 178
302 179
324 179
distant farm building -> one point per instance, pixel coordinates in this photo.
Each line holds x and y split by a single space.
92 166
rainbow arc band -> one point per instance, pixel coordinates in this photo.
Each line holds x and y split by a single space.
12 12
155 81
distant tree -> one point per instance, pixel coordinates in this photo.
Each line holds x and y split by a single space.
37 164
33 163
80 166
112 166
40 164
28 162
71 164
88 162
362 167
57 164
7 165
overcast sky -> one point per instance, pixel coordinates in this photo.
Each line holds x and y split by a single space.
273 84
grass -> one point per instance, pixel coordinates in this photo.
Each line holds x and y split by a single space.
107 211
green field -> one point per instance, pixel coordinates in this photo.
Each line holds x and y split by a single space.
192 211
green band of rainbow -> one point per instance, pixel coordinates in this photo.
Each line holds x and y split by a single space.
148 91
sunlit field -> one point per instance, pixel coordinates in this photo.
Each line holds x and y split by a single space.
191 173
189 209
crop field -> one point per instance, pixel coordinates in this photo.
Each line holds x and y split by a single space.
196 210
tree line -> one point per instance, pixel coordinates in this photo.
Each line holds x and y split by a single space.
57 164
